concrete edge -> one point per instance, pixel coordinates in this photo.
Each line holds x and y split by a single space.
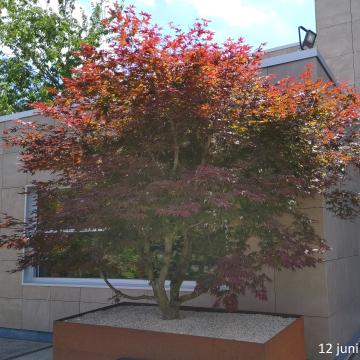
19 115
297 56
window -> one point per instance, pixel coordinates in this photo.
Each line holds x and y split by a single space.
46 276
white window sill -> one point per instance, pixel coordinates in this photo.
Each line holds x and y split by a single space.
96 283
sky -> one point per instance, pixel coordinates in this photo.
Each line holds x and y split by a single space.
274 22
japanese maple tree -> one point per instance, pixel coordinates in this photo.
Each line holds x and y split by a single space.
181 160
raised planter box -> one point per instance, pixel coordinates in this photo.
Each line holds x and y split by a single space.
76 340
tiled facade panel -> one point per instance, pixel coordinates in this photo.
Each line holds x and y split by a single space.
338 27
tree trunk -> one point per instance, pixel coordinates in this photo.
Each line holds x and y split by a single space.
170 310
169 304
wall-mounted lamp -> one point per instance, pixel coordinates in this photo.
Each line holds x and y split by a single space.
309 39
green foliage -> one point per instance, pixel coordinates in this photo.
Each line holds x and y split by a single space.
37 48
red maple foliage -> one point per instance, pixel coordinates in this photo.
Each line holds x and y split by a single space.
181 161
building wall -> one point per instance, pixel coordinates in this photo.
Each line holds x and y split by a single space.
342 274
338 28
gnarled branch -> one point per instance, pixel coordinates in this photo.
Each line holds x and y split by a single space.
176 147
194 294
120 294
168 252
205 151
181 268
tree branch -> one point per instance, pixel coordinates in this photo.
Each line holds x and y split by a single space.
147 261
119 294
166 259
310 207
192 295
181 268
205 151
176 147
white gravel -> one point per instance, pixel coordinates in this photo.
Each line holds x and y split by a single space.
233 326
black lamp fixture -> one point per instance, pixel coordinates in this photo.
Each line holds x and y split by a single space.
309 39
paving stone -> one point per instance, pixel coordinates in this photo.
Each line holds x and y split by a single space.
11 348
46 354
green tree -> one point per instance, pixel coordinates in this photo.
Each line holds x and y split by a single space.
38 48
